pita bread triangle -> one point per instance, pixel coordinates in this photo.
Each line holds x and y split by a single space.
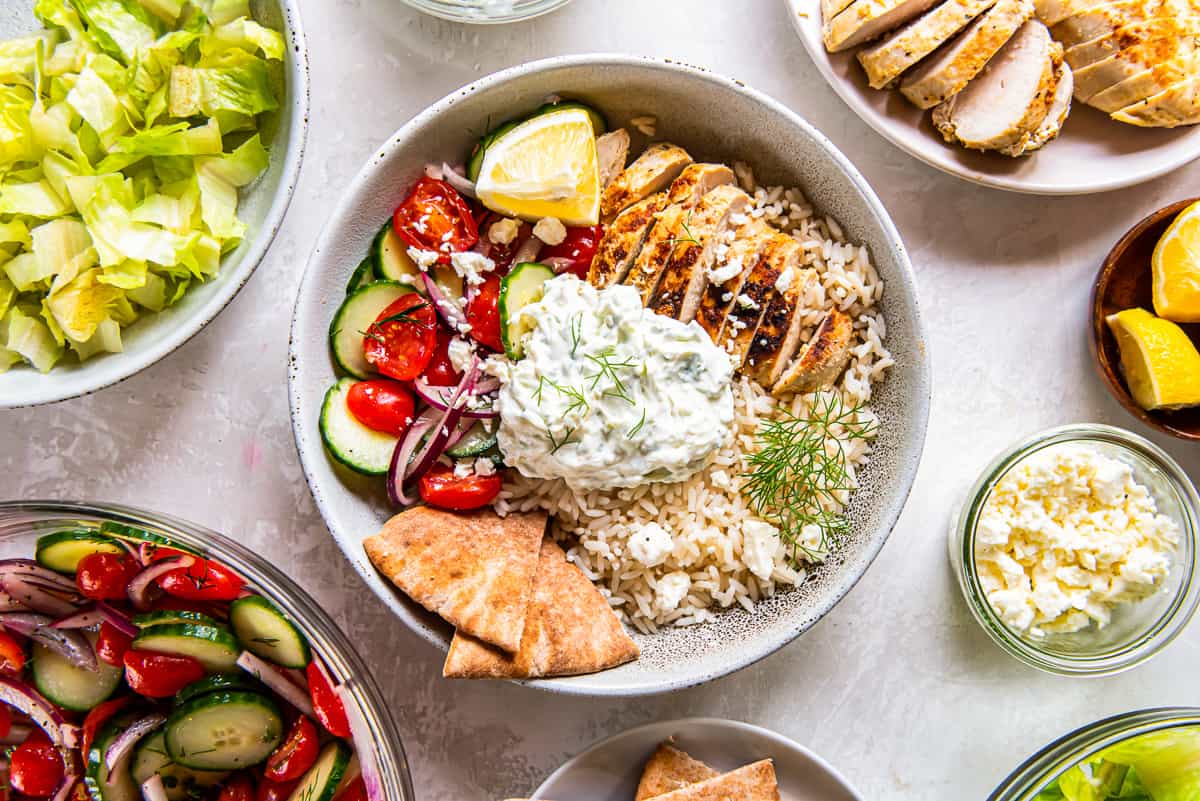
754 782
670 769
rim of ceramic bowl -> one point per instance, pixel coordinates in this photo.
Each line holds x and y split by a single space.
922 371
233 276
1147 644
458 11
1050 762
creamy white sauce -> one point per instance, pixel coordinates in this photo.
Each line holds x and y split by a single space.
610 394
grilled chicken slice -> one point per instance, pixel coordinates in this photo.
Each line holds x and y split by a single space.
945 73
622 241
1060 107
750 305
885 61
1144 84
831 8
1006 103
822 359
1100 21
779 331
612 151
668 233
697 180
864 20
718 298
1135 34
651 172
1052 12
1124 64
1177 105
708 229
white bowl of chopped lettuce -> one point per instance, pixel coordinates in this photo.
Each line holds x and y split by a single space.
148 152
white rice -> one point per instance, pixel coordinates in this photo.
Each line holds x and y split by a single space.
707 514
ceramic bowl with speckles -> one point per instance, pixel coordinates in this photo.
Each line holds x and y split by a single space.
714 118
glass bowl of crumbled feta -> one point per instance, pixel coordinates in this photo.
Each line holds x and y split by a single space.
486 11
1076 550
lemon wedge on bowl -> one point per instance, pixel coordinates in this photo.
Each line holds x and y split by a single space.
544 167
1176 268
1161 365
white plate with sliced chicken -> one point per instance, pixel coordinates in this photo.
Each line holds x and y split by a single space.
1052 97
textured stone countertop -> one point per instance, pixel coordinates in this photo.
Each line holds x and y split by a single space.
898 687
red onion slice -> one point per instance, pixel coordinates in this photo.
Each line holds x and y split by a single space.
528 251
264 672
449 311
439 397
140 585
44 714
66 787
24 622
461 183
32 596
402 455
99 612
433 171
558 263
9 603
364 743
122 747
28 567
70 644
436 443
153 789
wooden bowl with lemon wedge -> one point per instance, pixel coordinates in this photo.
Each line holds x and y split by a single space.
1126 282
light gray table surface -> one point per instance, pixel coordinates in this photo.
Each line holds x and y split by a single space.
897 687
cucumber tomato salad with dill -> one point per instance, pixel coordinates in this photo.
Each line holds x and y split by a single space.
132 668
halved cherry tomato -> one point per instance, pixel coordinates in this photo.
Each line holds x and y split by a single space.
112 644
156 675
400 342
238 787
483 313
36 767
578 249
275 791
440 487
203 580
435 217
296 754
326 703
356 790
98 716
104 576
382 405
440 371
12 655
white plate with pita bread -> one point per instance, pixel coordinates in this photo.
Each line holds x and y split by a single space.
697 759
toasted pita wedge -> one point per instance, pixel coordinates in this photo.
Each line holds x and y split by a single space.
570 629
475 570
669 770
754 782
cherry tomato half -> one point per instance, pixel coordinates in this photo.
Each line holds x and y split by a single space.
440 371
98 716
441 488
381 405
483 313
435 217
203 580
112 644
296 754
356 790
275 791
400 342
577 250
326 703
12 655
156 675
36 767
238 787
104 576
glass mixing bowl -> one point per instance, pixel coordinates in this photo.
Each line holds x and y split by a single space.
21 523
486 11
1138 630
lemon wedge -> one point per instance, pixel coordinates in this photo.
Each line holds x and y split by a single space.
1176 268
1161 365
544 167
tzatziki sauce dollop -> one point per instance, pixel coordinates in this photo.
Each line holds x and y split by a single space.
610 394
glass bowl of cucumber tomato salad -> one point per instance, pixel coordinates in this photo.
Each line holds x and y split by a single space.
143 658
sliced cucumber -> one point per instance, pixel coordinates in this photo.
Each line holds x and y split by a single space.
124 532
217 682
323 778
475 442
363 450
223 731
363 274
69 686
62 550
494 454
214 648
354 317
265 631
391 262
165 616
599 124
150 757
522 286
103 785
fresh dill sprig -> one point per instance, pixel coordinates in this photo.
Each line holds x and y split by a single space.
576 332
405 315
678 240
574 394
631 433
608 368
798 472
555 444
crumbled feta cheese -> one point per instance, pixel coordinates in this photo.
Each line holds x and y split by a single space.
484 466
784 282
760 541
671 590
726 297
424 259
462 469
650 544
472 266
746 302
460 352
645 124
550 230
504 231
730 269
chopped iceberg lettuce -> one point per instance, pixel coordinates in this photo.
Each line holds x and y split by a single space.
1159 766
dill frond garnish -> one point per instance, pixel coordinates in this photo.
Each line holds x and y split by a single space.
555 444
631 433
576 332
405 315
798 472
608 368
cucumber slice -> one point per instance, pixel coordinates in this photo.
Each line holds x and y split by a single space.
223 731
216 683
522 286
150 757
323 778
165 616
62 550
363 274
391 262
124 532
214 648
73 687
363 450
265 631
475 442
599 124
101 784
354 317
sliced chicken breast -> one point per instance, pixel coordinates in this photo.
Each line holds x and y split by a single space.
742 255
945 73
1175 106
885 61
864 20
708 228
779 332
743 319
823 357
831 8
1124 64
1134 34
668 233
1144 84
1006 103
697 180
1100 21
622 241
1060 107
651 172
612 151
1052 12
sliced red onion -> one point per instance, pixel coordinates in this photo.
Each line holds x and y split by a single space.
28 567
34 596
123 745
9 603
99 612
44 714
141 584
464 185
130 550
528 251
455 317
264 672
25 622
436 443
439 397
558 263
402 455
153 789
67 786
364 743
433 171
69 643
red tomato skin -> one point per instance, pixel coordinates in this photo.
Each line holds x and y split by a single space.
326 703
238 787
36 768
156 675
275 791
104 576
98 716
382 405
440 371
579 248
399 349
433 209
12 655
204 580
356 790
441 488
296 754
483 313
112 645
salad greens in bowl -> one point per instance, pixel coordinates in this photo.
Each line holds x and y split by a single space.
148 151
